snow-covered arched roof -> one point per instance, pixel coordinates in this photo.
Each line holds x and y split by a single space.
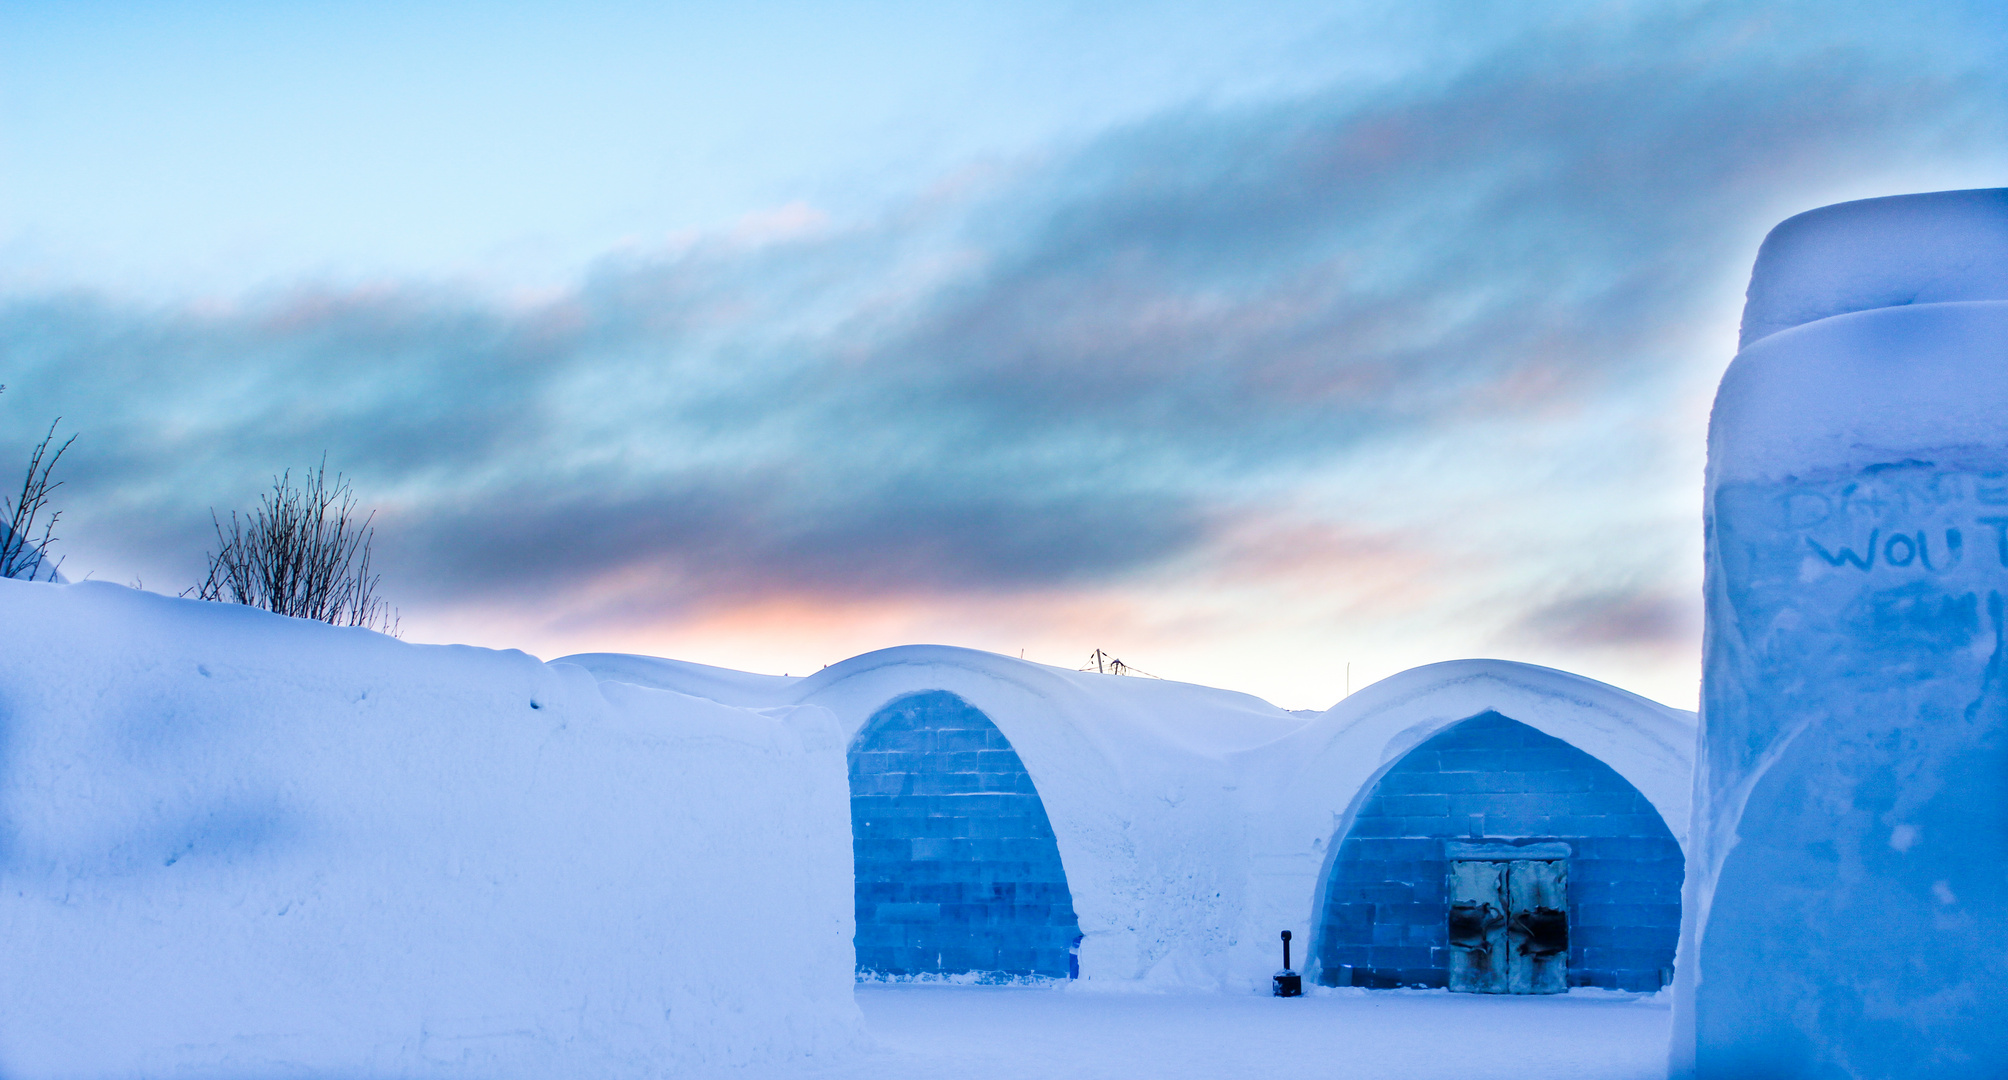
1194 823
1134 774
1325 766
1125 709
1305 788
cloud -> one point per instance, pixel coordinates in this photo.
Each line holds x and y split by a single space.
763 534
1618 620
1082 368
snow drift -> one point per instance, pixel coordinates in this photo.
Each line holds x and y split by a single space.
236 844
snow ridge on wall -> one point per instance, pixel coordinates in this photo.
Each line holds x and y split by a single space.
237 844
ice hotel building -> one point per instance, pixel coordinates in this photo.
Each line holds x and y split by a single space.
1482 825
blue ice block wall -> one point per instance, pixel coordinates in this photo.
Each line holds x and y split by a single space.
957 868
1386 914
1856 704
1849 895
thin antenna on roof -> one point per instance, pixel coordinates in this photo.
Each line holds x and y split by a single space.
1103 664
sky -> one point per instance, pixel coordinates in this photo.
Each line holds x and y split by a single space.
1276 347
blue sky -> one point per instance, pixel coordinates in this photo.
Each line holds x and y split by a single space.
1243 344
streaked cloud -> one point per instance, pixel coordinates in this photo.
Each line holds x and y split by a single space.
1171 358
1618 619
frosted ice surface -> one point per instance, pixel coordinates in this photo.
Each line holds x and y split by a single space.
1847 895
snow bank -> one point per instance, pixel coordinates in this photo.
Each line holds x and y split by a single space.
240 845
1845 893
1016 1032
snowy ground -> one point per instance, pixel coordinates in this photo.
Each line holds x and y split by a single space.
981 1032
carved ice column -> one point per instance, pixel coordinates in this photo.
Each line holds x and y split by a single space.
1846 911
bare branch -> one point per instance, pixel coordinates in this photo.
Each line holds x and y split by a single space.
303 553
22 553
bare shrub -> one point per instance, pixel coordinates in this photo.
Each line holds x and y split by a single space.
22 553
304 552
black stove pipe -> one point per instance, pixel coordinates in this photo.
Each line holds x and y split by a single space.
1287 982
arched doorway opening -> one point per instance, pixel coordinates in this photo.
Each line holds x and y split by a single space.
1496 858
957 867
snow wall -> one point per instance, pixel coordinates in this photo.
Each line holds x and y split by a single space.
1194 824
239 845
1846 896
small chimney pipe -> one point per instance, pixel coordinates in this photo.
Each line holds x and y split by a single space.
1288 983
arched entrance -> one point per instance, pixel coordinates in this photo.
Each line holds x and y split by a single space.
957 867
1457 866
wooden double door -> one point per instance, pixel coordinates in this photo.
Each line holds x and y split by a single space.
1509 926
